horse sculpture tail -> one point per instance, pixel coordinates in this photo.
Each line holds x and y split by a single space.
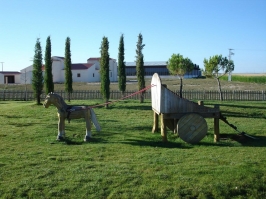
94 120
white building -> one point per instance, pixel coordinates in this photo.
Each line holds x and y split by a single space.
9 77
81 72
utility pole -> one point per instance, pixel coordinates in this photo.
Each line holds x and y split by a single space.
229 57
2 66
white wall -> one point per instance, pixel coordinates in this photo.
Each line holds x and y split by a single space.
57 69
90 75
94 73
83 75
17 79
113 70
26 75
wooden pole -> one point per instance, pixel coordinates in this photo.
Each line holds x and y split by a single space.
163 129
155 122
216 127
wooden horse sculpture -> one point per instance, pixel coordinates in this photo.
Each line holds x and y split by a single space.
65 111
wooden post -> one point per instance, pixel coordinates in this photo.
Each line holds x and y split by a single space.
155 122
216 127
163 129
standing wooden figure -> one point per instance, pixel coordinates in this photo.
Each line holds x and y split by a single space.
65 111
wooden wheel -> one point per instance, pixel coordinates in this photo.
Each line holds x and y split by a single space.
192 128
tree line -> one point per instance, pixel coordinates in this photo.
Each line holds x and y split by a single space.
214 67
38 81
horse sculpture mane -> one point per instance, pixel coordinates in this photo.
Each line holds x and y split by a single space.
65 111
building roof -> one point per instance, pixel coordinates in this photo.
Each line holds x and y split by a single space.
76 66
58 57
10 72
81 66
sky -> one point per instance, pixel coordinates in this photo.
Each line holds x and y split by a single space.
196 29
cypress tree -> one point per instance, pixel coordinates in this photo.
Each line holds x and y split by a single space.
104 70
68 72
140 66
48 75
37 77
121 66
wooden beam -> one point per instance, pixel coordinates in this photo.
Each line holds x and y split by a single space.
163 129
155 122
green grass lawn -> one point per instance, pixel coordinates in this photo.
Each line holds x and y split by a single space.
125 160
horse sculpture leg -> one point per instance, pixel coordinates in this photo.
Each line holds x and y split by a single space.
88 126
61 128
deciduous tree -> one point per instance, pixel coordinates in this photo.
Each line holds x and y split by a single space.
37 76
121 66
178 65
48 75
140 66
68 72
216 67
104 70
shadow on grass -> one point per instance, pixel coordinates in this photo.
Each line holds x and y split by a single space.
244 140
69 141
159 144
254 115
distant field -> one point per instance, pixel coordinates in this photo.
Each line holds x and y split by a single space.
173 83
250 74
247 78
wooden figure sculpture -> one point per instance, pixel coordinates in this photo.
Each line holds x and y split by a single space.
65 111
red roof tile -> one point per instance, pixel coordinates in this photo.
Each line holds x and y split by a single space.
81 66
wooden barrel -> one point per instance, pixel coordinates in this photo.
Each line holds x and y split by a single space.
192 128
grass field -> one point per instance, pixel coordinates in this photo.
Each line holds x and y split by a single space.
249 79
125 160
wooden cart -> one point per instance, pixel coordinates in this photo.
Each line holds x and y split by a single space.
181 115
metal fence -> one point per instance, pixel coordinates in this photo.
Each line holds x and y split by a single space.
191 95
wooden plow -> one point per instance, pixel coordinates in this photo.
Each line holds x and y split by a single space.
181 115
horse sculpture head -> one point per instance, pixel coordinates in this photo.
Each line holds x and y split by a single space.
52 98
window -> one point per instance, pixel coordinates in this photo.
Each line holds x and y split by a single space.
93 75
78 75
